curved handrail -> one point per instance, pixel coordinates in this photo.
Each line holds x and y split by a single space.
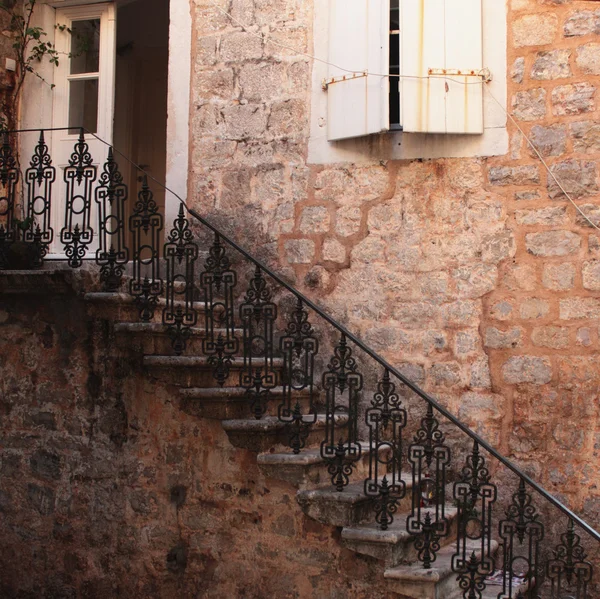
356 340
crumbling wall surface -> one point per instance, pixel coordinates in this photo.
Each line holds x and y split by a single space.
475 275
109 489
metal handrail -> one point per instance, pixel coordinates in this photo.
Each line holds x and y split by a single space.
356 340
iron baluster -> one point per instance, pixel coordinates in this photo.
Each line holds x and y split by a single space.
475 496
181 254
145 224
429 458
569 571
520 529
218 282
299 348
39 177
112 254
9 178
386 418
342 384
79 176
258 314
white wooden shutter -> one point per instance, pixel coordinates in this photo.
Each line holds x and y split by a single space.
358 41
441 34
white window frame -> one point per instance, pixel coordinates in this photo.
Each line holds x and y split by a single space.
397 145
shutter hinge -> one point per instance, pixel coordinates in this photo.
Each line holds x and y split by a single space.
485 74
330 81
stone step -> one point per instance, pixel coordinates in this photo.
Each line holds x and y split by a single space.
394 545
308 468
269 432
438 582
348 508
153 337
231 403
194 371
121 306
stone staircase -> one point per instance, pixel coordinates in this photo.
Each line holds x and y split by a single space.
351 511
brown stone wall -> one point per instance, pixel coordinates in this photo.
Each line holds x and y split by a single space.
110 486
475 275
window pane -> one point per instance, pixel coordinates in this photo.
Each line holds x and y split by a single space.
83 105
394 15
85 46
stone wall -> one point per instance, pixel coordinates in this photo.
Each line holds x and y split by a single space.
111 486
475 275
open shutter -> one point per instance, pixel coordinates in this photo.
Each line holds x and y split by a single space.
358 41
441 34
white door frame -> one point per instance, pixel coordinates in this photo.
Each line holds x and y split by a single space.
36 106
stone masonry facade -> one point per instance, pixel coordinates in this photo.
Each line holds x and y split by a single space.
476 276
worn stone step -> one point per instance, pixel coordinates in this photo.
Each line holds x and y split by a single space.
348 508
121 306
269 431
438 582
231 403
308 468
153 337
194 371
394 545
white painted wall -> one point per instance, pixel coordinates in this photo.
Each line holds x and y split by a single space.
398 145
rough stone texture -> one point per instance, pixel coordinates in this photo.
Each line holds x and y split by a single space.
534 29
559 277
583 22
553 64
573 99
588 58
529 105
550 141
527 369
578 179
553 243
518 175
518 70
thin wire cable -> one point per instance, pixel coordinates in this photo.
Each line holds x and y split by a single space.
541 158
265 37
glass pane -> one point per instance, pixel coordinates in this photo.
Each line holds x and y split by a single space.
83 105
85 46
395 15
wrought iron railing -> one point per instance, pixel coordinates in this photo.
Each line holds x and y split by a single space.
407 437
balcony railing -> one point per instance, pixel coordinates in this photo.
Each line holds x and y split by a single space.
529 545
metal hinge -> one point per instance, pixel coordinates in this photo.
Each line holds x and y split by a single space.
484 74
327 82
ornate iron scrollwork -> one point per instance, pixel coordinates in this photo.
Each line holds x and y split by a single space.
145 224
258 314
520 529
112 253
181 254
40 176
218 282
569 571
429 458
9 178
475 496
342 384
299 348
79 175
386 418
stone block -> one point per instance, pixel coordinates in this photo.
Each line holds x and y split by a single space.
299 251
591 212
502 310
591 275
214 84
475 280
334 251
347 220
553 243
288 118
549 141
558 277
315 219
551 215
588 58
551 337
535 29
553 64
497 339
529 105
575 98
575 308
534 308
527 369
518 70
240 46
514 175
584 337
582 22
245 121
261 82
526 195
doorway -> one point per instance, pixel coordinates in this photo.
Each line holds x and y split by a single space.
141 88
